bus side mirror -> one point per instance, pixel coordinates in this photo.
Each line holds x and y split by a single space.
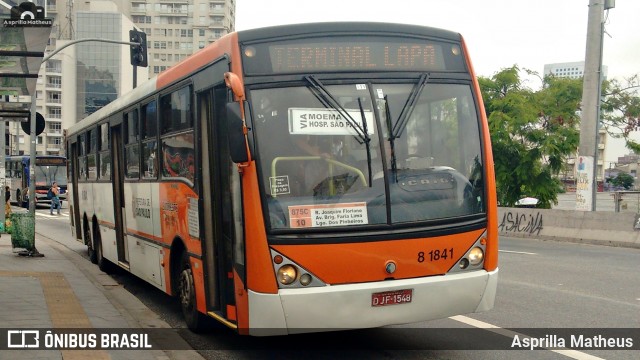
235 130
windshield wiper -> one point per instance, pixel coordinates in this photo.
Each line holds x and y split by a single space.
367 140
394 163
330 102
399 126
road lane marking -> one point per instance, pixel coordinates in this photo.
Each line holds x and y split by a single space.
517 252
53 216
574 354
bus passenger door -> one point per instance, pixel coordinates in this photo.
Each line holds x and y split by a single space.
74 211
118 194
217 245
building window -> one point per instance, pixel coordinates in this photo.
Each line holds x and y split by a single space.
54 66
54 81
54 97
54 112
55 127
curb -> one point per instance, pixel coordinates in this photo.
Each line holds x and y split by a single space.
135 313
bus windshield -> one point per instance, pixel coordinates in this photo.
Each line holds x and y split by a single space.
47 174
367 154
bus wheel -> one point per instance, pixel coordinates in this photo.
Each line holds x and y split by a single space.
103 264
187 294
93 254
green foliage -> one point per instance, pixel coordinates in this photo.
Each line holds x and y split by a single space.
622 180
532 133
621 109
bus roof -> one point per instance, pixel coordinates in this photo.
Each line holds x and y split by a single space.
224 45
369 28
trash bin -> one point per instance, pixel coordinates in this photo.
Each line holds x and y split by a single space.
23 231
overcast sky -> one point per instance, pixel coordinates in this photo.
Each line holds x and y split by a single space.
499 33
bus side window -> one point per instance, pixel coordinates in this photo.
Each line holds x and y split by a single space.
178 150
150 159
149 124
104 154
132 146
91 154
82 160
178 157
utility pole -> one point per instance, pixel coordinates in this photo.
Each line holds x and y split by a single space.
587 179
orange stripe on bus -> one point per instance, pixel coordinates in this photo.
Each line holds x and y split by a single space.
175 201
200 59
256 250
242 305
198 280
491 256
366 261
145 235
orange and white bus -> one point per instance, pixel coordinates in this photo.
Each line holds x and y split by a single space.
298 178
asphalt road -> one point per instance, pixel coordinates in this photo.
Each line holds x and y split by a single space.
545 288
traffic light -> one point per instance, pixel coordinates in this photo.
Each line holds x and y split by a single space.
138 52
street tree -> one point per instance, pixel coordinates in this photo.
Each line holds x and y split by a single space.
621 109
532 133
623 180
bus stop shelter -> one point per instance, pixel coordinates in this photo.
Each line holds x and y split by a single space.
23 38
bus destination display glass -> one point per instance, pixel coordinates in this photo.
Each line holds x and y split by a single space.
349 54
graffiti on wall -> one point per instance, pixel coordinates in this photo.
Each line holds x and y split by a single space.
518 223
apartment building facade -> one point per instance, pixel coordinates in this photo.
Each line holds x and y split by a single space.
177 28
84 77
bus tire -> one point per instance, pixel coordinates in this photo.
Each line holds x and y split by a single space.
103 264
93 254
187 296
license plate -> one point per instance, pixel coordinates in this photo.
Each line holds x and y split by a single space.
391 297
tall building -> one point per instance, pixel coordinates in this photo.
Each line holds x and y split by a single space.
572 70
104 70
49 99
177 28
575 70
84 77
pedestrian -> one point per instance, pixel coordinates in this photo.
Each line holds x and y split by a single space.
7 204
55 197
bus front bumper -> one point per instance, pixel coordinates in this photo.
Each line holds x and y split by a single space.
342 307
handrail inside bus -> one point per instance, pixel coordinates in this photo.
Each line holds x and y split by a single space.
330 161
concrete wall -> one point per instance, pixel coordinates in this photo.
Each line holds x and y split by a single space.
597 227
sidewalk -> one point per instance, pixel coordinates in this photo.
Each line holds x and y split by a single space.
65 290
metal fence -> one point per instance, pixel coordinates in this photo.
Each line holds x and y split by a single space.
626 201
613 201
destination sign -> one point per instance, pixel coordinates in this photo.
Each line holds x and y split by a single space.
307 121
50 161
353 54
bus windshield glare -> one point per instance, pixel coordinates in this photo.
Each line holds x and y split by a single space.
368 154
47 174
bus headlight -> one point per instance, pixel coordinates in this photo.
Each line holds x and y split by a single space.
305 279
287 274
476 255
